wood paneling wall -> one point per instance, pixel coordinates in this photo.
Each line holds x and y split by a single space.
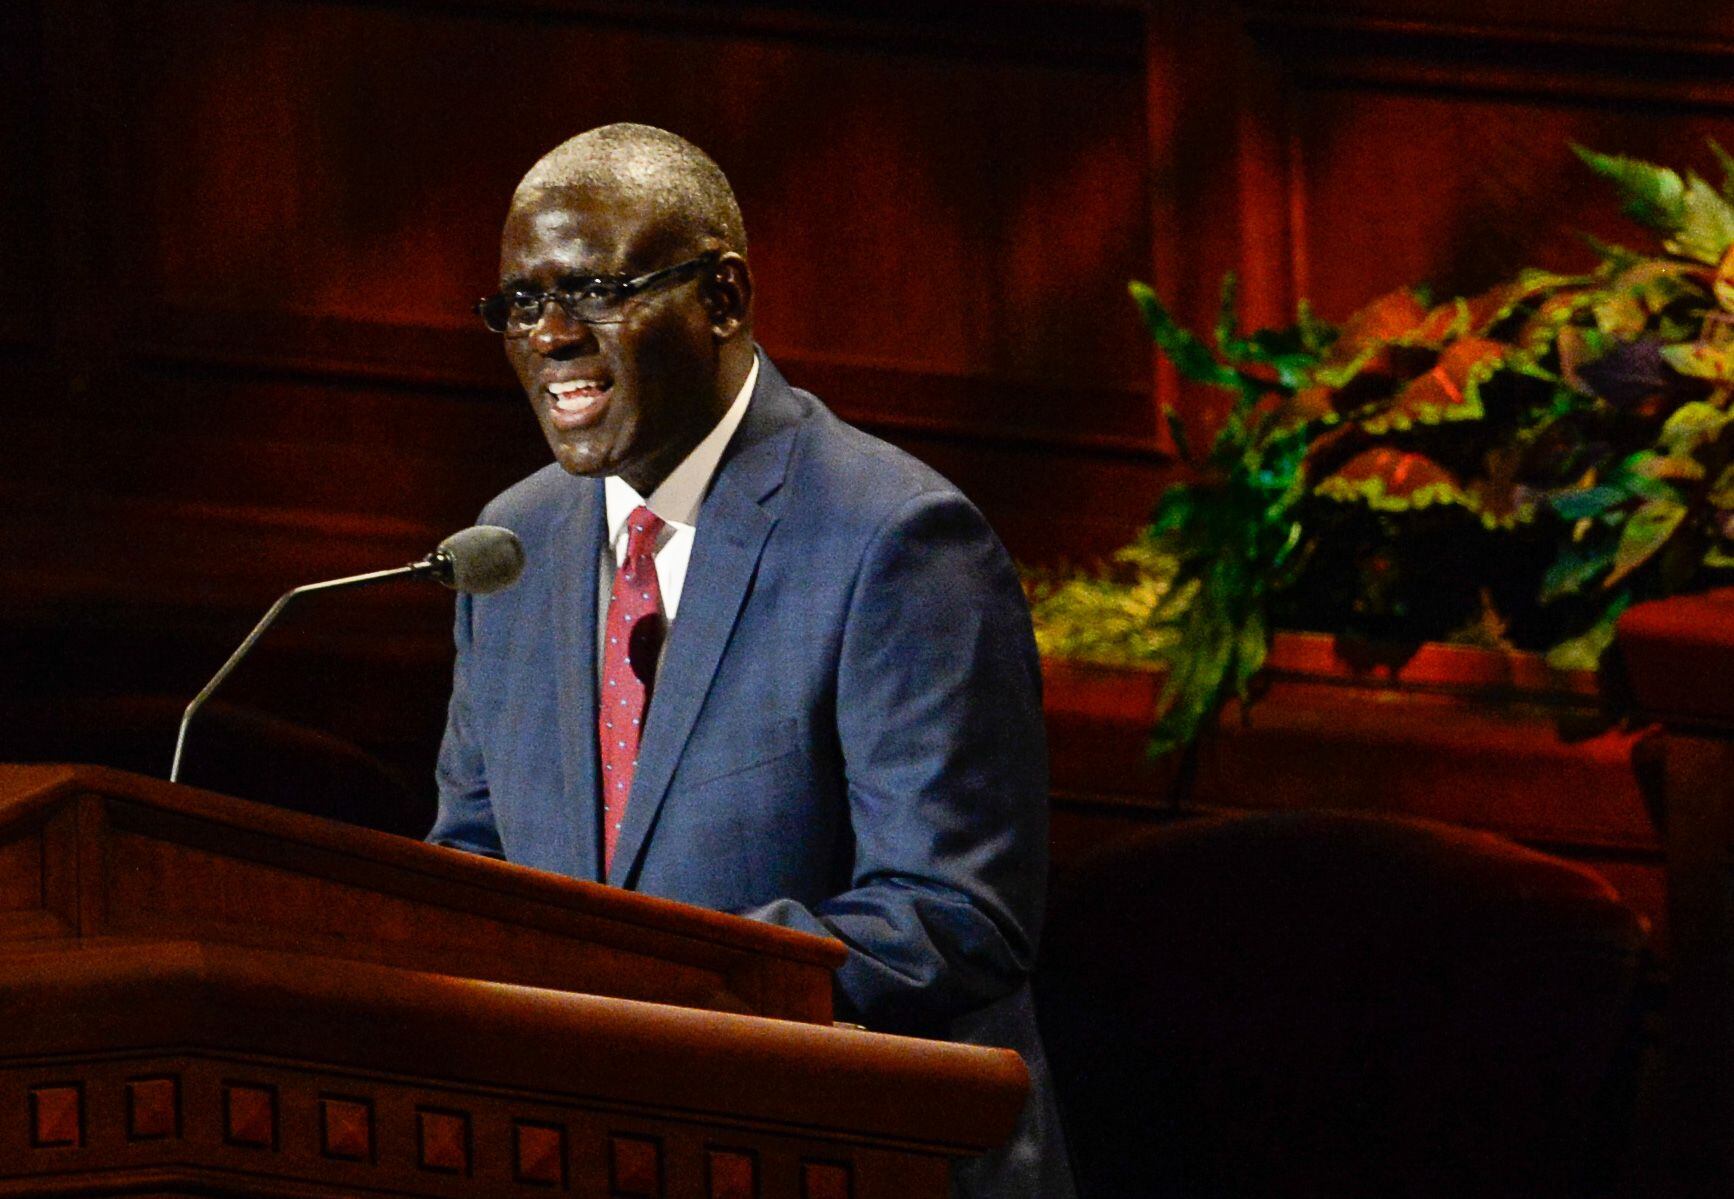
240 238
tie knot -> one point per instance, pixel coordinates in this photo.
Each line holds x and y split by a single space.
641 530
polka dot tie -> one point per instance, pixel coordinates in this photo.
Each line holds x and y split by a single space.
636 628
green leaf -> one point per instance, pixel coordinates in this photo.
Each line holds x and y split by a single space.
1316 336
1587 501
1672 330
1701 360
1645 533
1291 538
1575 568
1669 467
1718 559
1614 257
1290 353
1621 315
1659 284
1643 297
1174 508
1693 426
1726 161
1189 355
1585 652
1284 352
1177 431
1228 317
1126 612
1340 374
1637 476
1251 646
1707 228
1722 490
1654 196
1198 663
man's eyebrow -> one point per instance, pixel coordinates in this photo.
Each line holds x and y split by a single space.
565 281
567 278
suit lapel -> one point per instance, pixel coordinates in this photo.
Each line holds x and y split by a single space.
576 551
733 526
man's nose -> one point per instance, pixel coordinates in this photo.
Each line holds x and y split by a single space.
558 333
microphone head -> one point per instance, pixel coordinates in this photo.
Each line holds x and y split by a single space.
480 559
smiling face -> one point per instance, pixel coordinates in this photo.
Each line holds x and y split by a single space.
631 398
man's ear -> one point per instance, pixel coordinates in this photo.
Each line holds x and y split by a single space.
728 295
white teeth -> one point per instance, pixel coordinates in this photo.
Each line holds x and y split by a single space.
578 397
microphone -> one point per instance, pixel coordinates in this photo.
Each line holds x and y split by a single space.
479 559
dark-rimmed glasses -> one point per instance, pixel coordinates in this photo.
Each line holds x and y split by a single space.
595 300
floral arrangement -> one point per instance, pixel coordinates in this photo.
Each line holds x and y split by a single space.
1510 469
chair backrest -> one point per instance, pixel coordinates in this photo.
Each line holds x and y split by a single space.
1332 1004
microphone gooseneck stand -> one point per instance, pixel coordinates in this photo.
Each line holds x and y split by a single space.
437 565
480 559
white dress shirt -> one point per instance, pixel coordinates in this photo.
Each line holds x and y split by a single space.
676 500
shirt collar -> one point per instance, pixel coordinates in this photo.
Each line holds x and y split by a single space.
678 497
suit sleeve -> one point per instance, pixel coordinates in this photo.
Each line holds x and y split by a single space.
466 815
939 721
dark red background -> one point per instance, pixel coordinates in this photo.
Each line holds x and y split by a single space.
240 238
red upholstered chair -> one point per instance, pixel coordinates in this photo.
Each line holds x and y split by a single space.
1329 1004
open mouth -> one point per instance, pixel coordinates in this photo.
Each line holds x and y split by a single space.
577 402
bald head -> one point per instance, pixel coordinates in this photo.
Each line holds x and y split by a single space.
648 167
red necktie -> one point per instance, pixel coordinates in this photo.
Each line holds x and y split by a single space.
635 633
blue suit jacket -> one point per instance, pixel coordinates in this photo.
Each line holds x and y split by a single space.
846 734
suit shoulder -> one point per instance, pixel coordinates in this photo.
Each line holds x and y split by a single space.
534 500
845 472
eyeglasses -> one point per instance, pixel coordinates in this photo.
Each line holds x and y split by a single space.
596 300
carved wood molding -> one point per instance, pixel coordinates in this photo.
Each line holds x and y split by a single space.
110 1124
880 397
1556 61
1099 32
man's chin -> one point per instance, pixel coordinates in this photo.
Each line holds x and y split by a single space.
577 453
581 461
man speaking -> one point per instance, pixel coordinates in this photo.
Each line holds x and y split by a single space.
758 661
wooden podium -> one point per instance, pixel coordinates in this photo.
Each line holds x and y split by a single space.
203 996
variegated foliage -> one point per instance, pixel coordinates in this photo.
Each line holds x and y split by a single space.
1515 467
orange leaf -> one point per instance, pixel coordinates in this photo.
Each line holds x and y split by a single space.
1311 403
1486 308
1388 317
1395 480
1444 322
1450 391
1574 351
